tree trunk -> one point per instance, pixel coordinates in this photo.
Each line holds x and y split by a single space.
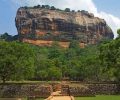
3 79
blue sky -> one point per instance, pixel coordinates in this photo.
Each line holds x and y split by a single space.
107 9
109 6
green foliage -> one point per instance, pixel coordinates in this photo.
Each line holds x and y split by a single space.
16 61
118 31
42 74
67 9
74 44
43 6
54 51
54 63
100 97
26 7
47 6
54 73
110 59
7 37
92 63
38 6
73 10
53 8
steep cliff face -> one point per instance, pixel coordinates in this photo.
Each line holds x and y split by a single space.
40 24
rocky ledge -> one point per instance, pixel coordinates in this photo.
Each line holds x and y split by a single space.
38 23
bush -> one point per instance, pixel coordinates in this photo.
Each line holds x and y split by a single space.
67 10
53 8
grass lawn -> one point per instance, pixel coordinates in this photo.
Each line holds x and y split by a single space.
16 99
30 82
99 98
35 99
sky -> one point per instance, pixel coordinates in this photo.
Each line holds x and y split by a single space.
105 9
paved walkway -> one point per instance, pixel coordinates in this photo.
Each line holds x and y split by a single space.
57 96
61 98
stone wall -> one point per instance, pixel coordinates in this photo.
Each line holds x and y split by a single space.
78 90
91 89
81 91
107 89
16 90
39 90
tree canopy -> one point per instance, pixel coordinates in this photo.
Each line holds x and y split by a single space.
16 61
99 62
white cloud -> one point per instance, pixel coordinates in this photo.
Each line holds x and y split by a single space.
113 21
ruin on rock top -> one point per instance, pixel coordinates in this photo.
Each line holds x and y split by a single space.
42 26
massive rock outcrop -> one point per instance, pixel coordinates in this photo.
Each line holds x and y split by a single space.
42 26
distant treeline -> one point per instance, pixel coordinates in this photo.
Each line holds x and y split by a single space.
7 37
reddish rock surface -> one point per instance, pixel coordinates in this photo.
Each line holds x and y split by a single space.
36 24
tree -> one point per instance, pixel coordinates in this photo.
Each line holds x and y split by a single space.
38 6
74 48
42 74
110 58
118 31
74 44
73 65
54 51
43 6
67 9
47 6
25 7
73 10
70 54
53 8
16 61
54 73
7 37
90 68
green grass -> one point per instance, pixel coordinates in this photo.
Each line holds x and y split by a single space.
22 99
35 99
99 98
30 82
